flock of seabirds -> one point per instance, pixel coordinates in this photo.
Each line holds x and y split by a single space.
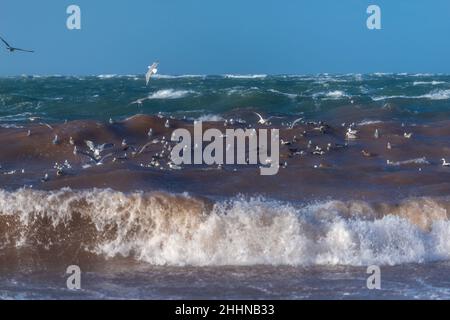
96 153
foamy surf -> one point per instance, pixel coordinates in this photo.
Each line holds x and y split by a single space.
170 94
179 230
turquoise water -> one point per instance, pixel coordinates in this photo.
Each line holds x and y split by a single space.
58 98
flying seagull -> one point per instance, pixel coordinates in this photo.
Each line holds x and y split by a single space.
295 122
12 49
262 120
151 71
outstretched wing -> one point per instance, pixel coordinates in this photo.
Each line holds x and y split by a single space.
148 76
295 122
18 49
260 116
4 41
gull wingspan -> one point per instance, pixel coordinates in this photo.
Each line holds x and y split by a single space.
4 41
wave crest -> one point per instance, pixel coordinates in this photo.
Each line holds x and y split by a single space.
165 229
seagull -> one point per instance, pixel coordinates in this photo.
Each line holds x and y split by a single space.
445 163
45 178
367 154
262 120
351 134
295 122
46 125
140 101
12 49
376 134
407 135
151 71
97 150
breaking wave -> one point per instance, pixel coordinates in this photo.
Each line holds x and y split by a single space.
167 229
245 76
170 94
433 95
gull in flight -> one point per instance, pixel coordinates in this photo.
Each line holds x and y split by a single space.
97 149
262 120
151 71
295 122
140 101
12 49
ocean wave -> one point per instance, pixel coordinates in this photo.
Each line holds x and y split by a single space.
422 160
331 95
433 95
107 76
170 94
424 83
166 229
437 95
210 118
369 122
289 95
181 76
245 76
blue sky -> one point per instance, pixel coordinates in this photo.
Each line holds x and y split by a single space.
226 36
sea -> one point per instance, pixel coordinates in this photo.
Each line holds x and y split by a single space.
86 179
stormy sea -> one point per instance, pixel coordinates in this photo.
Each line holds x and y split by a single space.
86 179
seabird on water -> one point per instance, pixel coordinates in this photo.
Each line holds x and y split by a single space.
376 134
351 134
407 135
12 49
445 163
367 154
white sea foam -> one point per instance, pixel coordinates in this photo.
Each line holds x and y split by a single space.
107 76
289 95
170 94
369 122
437 95
331 95
424 83
165 229
422 160
210 117
245 76
168 76
434 95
